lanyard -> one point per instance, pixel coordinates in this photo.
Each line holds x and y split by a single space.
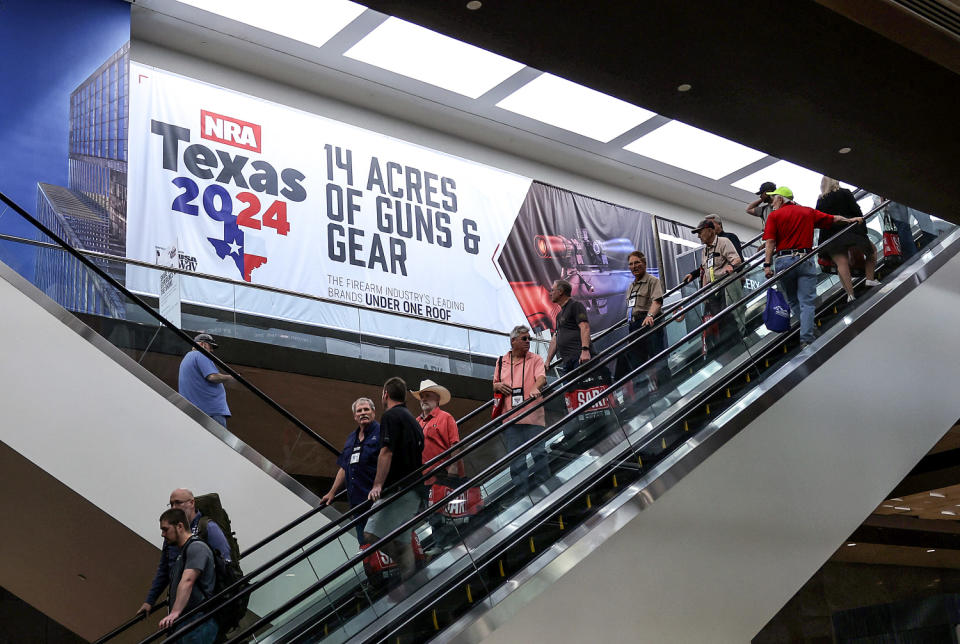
523 373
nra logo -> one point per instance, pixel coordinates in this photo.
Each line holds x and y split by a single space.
224 129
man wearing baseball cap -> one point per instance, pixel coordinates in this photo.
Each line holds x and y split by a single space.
789 238
201 382
761 207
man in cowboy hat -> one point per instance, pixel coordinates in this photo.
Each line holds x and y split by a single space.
439 428
439 434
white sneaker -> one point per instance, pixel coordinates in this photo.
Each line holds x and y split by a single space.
871 283
850 298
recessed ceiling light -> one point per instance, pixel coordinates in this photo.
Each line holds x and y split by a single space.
886 506
804 183
851 544
939 495
306 21
931 550
896 499
473 5
844 150
690 148
900 507
575 108
684 87
418 53
949 513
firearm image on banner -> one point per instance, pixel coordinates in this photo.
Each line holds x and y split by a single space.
268 194
559 234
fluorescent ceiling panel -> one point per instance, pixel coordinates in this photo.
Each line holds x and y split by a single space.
424 55
307 21
804 183
575 108
688 148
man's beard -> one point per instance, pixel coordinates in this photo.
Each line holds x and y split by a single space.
427 407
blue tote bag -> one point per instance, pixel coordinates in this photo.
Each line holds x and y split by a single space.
776 315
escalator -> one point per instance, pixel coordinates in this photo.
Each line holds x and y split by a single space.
93 433
806 455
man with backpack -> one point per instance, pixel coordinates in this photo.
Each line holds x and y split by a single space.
207 529
401 453
192 576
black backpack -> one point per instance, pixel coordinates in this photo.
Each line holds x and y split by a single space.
227 572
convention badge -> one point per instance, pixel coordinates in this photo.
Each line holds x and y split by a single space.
516 396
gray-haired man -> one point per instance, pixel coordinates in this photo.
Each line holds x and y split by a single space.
358 460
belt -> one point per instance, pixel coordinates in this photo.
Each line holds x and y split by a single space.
792 251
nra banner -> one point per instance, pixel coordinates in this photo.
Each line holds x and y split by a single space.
261 192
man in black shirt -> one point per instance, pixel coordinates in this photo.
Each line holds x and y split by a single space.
401 450
571 340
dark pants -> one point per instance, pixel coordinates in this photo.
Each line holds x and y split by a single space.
522 476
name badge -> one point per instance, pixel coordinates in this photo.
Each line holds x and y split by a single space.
516 396
632 302
355 457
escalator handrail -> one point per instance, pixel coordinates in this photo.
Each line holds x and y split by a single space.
350 515
166 323
496 467
602 334
701 295
364 510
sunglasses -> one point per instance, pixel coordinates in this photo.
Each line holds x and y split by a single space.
523 338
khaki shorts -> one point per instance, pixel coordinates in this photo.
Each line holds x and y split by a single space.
391 516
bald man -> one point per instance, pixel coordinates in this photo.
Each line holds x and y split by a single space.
182 499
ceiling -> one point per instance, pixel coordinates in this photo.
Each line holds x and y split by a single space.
799 83
531 110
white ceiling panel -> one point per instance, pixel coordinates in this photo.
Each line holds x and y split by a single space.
686 147
418 53
575 108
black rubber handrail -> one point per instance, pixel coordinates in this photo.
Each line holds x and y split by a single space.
360 515
363 511
166 323
522 449
495 467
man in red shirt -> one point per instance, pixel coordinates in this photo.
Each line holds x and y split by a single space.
439 428
788 234
439 434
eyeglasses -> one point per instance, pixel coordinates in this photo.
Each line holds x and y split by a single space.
523 338
175 503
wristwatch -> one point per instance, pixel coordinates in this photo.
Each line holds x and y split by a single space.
584 348
767 264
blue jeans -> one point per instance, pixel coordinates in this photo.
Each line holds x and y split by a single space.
206 633
800 289
907 244
521 475
220 419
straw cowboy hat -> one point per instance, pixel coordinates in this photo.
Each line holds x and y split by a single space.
429 385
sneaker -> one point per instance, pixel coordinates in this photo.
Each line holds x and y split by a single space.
850 298
871 283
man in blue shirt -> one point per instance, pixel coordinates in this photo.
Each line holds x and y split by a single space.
182 499
202 383
358 460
